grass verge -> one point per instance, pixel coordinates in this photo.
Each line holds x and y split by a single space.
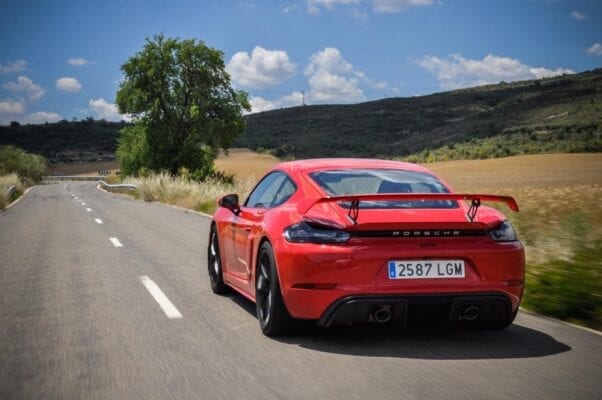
569 286
198 196
6 181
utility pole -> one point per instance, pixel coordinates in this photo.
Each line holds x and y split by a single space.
303 98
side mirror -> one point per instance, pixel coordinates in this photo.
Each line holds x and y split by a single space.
229 201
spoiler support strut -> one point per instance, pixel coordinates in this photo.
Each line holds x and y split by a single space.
354 211
472 210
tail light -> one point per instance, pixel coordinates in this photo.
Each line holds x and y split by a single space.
303 232
504 232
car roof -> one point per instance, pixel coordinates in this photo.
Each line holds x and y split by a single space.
317 164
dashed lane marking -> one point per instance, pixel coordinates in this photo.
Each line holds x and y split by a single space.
98 220
115 242
167 306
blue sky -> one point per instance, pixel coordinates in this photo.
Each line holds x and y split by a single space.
61 59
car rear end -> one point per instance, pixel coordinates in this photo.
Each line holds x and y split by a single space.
411 275
401 262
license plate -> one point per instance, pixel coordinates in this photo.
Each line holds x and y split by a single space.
426 269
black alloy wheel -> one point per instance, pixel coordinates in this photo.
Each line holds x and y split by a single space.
272 314
214 264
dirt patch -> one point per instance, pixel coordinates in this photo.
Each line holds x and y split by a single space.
245 163
532 171
85 169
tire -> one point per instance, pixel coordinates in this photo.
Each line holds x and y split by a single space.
273 317
214 264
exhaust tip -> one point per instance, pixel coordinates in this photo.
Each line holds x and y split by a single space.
382 314
471 313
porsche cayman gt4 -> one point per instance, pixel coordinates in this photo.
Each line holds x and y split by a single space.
349 241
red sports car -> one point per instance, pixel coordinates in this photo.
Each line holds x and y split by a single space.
347 241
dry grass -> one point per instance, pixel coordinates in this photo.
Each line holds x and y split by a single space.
7 181
549 188
185 193
532 171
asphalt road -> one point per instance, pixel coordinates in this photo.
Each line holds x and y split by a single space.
78 321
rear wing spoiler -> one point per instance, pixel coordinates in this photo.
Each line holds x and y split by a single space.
475 199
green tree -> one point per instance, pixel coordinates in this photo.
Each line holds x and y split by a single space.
179 95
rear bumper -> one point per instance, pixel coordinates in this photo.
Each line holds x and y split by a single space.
444 308
314 278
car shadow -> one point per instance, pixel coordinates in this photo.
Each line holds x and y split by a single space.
428 343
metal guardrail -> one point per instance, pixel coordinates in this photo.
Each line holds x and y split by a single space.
108 186
72 178
11 189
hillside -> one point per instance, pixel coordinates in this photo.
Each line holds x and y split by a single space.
66 141
562 114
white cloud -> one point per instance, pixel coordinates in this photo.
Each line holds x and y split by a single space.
262 68
332 78
293 7
259 104
313 6
26 85
68 84
9 106
458 72
106 110
595 50
78 62
393 6
13 66
579 16
42 117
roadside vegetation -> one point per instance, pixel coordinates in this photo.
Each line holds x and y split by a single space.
182 191
568 285
20 169
562 234
6 181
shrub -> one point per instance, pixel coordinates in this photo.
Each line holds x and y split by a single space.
27 166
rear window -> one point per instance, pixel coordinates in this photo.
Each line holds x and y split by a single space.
369 181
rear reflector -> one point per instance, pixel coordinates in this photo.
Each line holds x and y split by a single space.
314 286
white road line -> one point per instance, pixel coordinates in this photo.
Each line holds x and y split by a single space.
98 220
116 242
88 209
167 306
83 204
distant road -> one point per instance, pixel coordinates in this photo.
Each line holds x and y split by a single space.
110 300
